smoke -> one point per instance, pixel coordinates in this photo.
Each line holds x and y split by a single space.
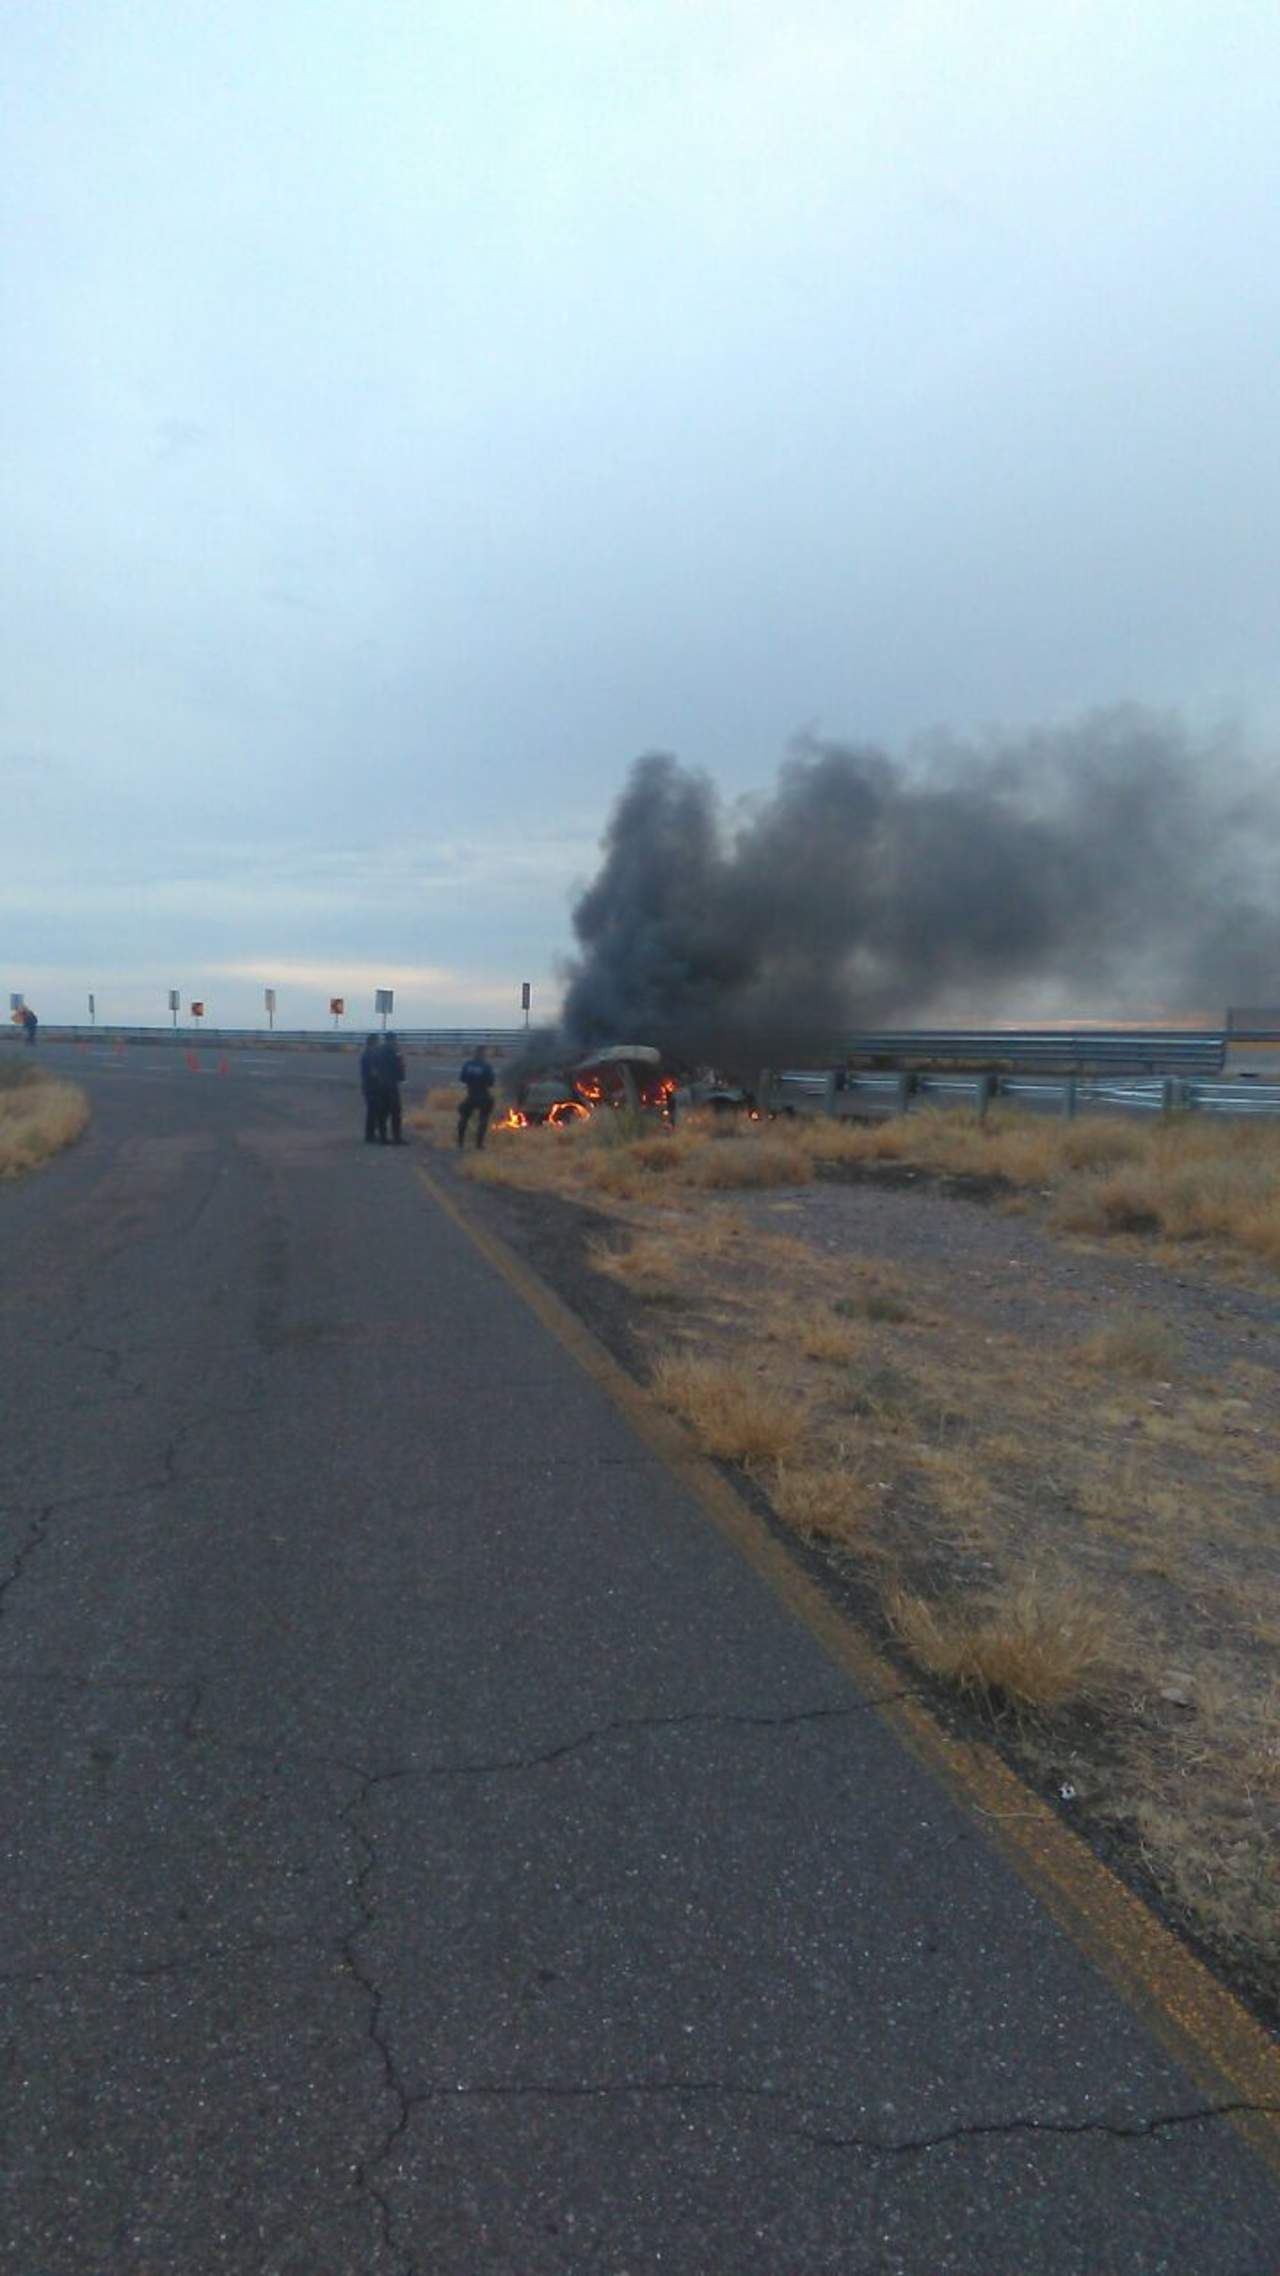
1111 864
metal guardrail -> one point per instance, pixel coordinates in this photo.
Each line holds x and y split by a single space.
281 1038
1075 1051
869 1097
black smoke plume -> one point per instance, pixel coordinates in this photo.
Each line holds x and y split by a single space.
1082 871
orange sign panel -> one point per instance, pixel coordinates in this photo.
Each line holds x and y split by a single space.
337 1005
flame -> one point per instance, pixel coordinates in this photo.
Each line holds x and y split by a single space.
589 1093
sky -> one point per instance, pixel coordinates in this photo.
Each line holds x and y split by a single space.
413 413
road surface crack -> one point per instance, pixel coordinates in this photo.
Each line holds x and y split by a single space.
872 2145
1116 2129
26 1550
367 2168
489 1767
623 1726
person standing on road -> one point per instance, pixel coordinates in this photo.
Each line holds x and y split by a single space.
391 1074
30 1023
375 1103
477 1081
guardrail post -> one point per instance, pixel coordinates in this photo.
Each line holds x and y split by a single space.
764 1091
829 1093
1069 1099
1166 1094
906 1084
983 1086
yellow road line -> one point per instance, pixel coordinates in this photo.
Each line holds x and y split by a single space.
1194 2017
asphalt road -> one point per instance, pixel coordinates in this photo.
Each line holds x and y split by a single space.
429 1847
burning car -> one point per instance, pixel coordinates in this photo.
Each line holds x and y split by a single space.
634 1076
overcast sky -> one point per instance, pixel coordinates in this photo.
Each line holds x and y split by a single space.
414 412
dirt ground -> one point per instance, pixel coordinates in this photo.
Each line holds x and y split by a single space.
1046 1470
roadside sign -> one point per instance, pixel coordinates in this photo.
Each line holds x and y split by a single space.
384 999
197 1011
271 1006
93 1011
16 1003
337 1005
525 993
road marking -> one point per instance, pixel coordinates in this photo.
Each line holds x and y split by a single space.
1201 2024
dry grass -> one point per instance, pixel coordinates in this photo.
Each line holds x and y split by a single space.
653 1266
1033 1644
1182 1178
878 1293
732 1411
745 1160
39 1116
957 1480
826 1501
816 1331
1190 1181
1133 1343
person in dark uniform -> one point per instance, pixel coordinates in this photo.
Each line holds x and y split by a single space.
391 1074
30 1023
375 1103
476 1078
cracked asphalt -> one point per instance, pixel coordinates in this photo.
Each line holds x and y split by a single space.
430 1849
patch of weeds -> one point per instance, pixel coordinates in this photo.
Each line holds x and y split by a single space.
1031 1646
731 1411
1133 1343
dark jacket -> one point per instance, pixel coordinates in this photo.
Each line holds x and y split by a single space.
388 1063
370 1079
478 1077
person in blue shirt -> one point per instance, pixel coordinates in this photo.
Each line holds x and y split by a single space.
477 1095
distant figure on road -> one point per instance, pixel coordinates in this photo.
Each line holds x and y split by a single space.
477 1081
375 1100
29 1022
390 1074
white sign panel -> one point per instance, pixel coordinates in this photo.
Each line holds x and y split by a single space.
382 1001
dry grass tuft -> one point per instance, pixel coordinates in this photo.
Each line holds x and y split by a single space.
746 1161
1188 1179
1033 1645
652 1266
39 1116
1133 1343
878 1295
815 1330
958 1482
1182 1178
732 1412
661 1155
825 1501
